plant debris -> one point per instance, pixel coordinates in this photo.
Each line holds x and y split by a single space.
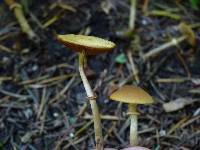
43 104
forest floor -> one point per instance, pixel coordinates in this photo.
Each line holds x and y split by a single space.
43 104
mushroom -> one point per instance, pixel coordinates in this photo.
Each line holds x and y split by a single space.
188 36
88 45
133 96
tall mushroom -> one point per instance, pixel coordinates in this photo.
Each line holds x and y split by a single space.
133 96
88 45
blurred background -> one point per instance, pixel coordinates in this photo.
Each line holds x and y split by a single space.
43 104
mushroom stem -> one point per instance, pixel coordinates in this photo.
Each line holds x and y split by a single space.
157 50
134 125
92 98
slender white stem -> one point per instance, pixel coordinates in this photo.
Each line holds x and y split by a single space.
134 125
133 130
94 107
86 84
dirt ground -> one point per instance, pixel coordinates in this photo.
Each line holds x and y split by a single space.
43 104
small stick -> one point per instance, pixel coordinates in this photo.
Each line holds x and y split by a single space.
114 124
132 14
172 80
145 7
187 35
17 8
63 90
15 95
133 67
177 125
190 121
5 49
185 66
87 125
82 109
163 47
110 130
42 104
104 117
78 141
4 78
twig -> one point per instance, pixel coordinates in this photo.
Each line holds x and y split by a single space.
145 7
110 130
87 125
17 8
163 47
63 90
133 67
5 78
172 80
42 104
190 121
5 49
124 126
132 15
14 94
78 141
184 64
82 109
177 125
104 117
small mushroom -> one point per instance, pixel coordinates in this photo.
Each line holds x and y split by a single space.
133 96
88 45
188 36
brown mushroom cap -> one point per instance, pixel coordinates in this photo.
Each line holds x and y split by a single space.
131 94
89 44
188 32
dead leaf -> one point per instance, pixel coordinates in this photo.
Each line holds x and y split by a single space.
177 104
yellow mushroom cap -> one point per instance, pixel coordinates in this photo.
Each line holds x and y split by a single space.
89 44
131 94
188 32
